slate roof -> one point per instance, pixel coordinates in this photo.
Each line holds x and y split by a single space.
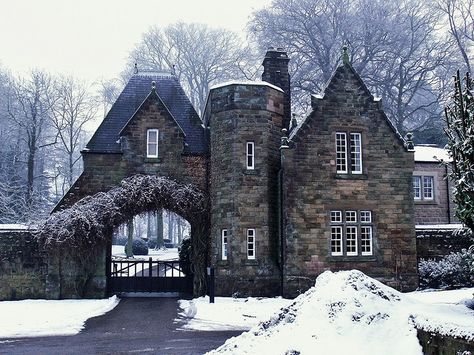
106 137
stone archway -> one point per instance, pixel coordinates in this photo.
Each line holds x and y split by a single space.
85 227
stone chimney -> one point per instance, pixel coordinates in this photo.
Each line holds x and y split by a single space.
275 71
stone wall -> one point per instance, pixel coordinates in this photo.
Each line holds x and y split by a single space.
242 198
441 210
23 268
436 243
312 189
436 344
28 272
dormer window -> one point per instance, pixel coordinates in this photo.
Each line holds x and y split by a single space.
348 153
152 143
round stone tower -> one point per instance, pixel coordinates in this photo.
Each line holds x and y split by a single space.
245 122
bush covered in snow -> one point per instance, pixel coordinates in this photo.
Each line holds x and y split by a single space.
139 247
452 271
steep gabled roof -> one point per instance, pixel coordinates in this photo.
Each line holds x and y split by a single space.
329 87
138 88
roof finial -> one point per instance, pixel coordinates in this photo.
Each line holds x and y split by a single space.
135 71
345 55
173 70
409 141
153 86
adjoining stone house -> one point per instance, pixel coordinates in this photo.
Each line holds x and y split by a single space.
332 193
432 191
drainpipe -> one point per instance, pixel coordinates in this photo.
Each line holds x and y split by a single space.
284 145
447 192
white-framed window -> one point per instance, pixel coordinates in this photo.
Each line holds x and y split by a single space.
152 143
351 233
353 164
224 244
423 188
251 244
356 153
336 240
250 155
341 152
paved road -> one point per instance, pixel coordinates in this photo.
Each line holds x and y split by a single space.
135 326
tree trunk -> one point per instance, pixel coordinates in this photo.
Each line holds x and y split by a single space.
148 225
170 226
128 249
159 228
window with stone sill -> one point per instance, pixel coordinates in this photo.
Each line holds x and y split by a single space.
349 153
423 188
152 143
224 244
351 233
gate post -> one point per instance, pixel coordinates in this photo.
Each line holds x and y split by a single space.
211 277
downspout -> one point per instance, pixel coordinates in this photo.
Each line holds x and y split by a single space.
284 145
448 195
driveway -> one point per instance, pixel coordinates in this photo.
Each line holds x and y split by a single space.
135 326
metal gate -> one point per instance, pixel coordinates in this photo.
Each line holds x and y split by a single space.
148 276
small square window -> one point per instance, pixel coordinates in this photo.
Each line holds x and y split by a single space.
336 216
365 216
351 216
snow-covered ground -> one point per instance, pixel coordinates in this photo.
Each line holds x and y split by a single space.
345 313
160 254
228 313
32 318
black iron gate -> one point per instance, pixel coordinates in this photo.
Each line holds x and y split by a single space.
148 276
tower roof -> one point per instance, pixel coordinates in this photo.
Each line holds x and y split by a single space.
106 137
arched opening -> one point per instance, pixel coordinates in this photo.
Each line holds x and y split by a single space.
151 252
87 226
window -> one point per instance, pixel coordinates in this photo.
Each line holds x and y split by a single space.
250 244
224 244
423 188
152 143
343 164
250 155
351 233
341 153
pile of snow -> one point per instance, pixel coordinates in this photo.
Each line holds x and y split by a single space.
227 313
347 313
32 318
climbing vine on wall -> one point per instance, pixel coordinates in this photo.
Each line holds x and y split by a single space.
88 223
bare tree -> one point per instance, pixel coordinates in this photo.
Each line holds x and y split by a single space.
108 90
29 110
460 19
395 46
72 107
199 55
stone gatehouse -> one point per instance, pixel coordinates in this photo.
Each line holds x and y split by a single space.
287 200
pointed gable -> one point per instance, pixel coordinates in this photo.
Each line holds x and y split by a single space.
170 92
346 82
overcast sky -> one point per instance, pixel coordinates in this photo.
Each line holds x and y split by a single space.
91 38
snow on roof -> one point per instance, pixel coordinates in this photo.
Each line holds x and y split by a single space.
246 82
13 227
429 153
439 226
